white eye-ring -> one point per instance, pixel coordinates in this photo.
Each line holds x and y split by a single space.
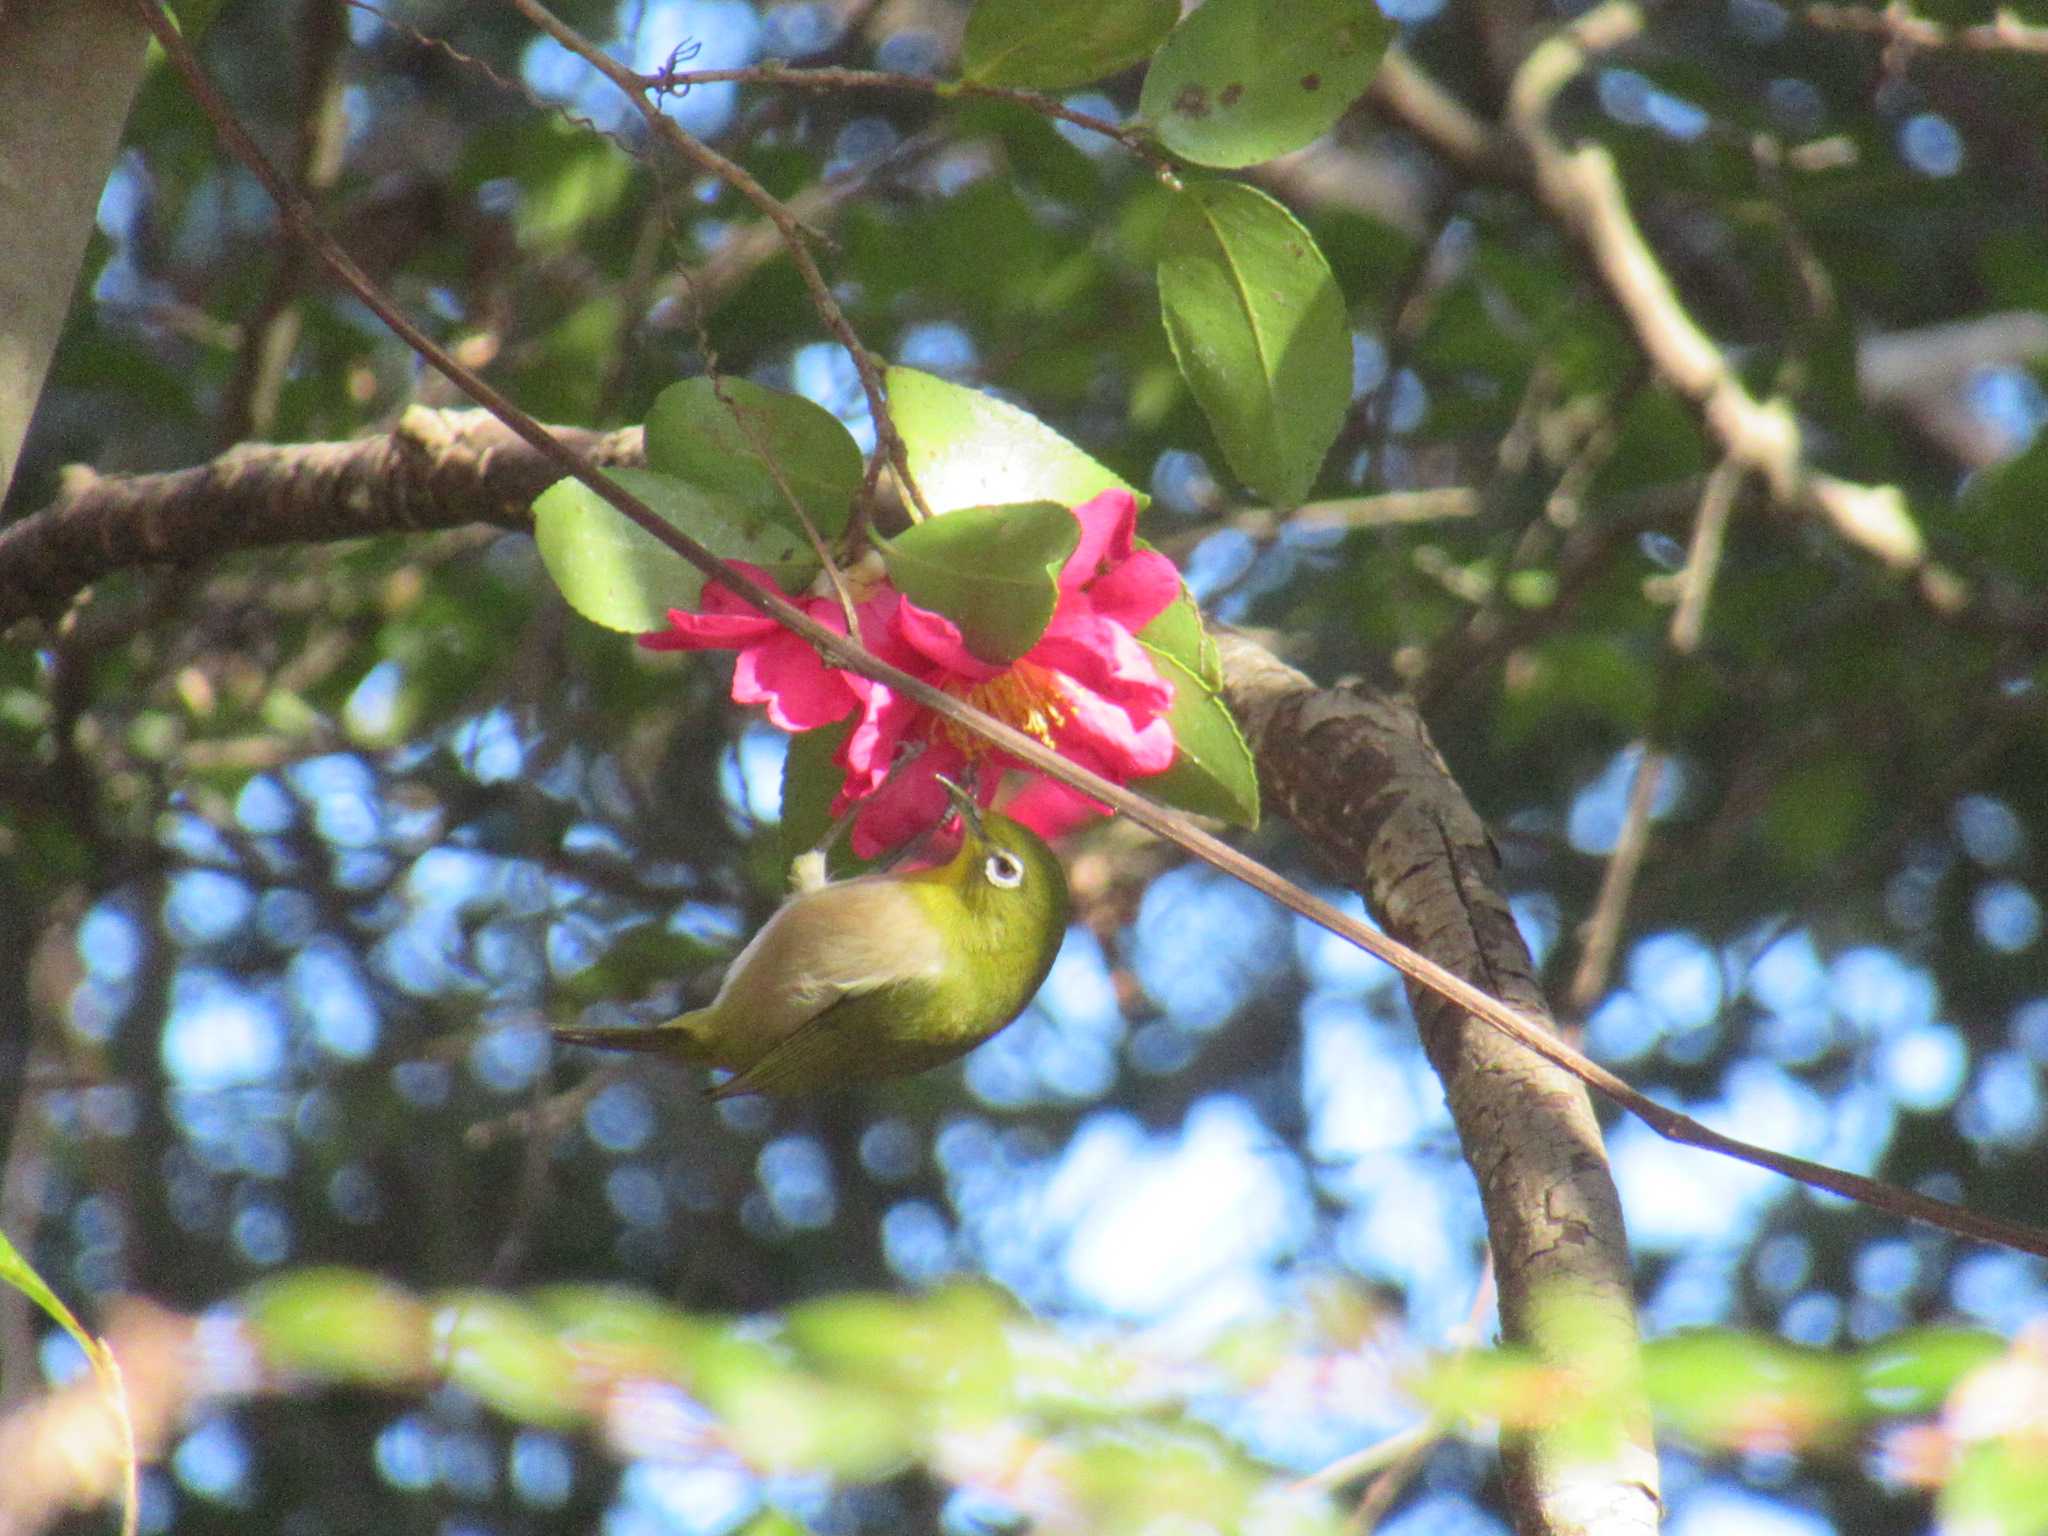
1004 869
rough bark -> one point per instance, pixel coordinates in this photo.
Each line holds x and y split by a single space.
1356 771
434 469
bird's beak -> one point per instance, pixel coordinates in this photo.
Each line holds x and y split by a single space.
966 805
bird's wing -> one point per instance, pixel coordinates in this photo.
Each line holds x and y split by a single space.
820 948
848 1042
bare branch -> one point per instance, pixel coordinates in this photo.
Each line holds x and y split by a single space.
1582 189
1357 772
435 469
1898 26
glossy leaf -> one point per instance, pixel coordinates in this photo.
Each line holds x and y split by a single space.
1258 328
1213 774
616 574
498 1352
810 783
1049 44
968 449
994 571
341 1325
1241 81
1178 632
723 446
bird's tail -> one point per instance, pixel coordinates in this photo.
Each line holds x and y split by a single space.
678 1037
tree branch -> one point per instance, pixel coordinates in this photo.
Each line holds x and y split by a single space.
1357 773
1898 27
484 471
434 469
1581 188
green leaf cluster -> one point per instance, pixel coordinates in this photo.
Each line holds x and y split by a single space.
769 478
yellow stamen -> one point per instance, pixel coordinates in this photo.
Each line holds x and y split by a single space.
1027 696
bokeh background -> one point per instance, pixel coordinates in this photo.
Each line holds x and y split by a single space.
303 849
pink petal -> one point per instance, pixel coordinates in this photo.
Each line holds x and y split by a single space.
1052 809
1107 524
937 638
1126 745
1104 657
870 749
1136 591
708 631
879 631
783 673
724 619
911 802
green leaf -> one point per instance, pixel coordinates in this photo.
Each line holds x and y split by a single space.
616 574
1998 1486
723 447
1213 773
1241 81
810 783
1050 44
1912 1372
1178 632
19 1273
953 1343
1258 328
994 571
341 1325
1712 1385
968 449
501 1354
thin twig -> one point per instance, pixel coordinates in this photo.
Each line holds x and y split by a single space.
848 653
249 408
888 444
1582 188
1624 864
1132 138
1899 26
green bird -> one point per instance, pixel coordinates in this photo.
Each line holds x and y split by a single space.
881 975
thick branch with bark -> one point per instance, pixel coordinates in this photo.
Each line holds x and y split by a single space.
434 469
1357 772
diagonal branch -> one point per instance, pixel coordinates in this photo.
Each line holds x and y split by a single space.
1357 773
1581 188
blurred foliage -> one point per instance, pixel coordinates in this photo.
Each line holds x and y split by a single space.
300 849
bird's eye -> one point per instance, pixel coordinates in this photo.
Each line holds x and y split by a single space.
1004 869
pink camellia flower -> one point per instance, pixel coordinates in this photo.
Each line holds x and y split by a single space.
777 668
1087 688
